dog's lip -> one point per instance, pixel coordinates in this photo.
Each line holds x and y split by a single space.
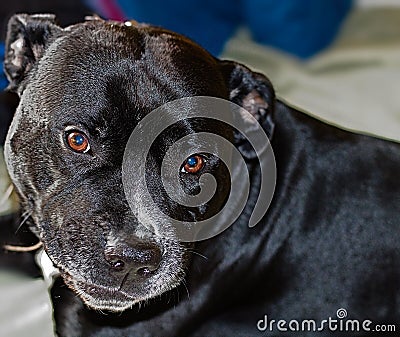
98 296
106 298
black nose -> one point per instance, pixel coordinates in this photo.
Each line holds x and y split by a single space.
140 259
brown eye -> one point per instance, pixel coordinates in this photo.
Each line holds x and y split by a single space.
193 164
78 141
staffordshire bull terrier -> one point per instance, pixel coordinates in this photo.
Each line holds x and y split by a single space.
328 242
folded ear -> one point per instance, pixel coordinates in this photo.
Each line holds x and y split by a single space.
255 93
27 38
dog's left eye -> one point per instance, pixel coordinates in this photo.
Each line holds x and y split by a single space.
193 164
78 141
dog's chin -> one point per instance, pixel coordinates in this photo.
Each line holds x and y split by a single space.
99 297
104 298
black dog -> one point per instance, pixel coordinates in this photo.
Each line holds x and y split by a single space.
329 240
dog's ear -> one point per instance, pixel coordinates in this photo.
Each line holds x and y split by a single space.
27 38
255 93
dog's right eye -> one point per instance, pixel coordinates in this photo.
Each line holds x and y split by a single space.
193 164
78 141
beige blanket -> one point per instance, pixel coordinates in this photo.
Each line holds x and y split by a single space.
355 83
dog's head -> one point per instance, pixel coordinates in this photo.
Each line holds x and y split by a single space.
83 89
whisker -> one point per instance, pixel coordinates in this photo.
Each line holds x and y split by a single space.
27 215
197 253
169 296
187 290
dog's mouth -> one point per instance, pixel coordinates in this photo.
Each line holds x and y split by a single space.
117 271
118 297
100 297
95 296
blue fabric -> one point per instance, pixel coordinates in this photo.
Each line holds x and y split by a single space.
3 79
208 22
300 27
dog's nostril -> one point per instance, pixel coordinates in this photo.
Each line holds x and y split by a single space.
115 261
140 259
118 265
143 271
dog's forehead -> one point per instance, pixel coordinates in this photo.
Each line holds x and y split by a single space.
158 52
136 69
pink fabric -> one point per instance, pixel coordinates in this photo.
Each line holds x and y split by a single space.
109 9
